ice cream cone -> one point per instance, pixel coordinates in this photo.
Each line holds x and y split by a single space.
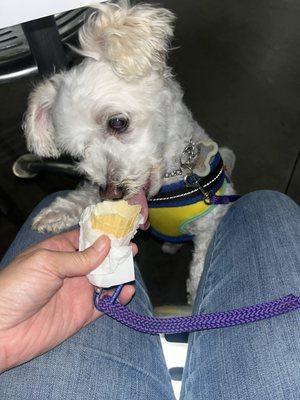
116 218
119 221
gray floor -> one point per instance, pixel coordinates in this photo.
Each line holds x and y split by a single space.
239 63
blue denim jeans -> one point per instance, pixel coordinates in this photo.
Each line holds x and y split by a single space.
253 257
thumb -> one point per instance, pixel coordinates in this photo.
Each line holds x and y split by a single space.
80 263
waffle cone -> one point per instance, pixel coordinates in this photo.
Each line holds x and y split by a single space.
117 218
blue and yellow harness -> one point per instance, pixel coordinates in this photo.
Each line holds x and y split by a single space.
179 204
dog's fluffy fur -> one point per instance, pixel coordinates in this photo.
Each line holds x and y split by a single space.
123 73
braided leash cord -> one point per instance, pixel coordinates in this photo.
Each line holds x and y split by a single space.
225 199
198 322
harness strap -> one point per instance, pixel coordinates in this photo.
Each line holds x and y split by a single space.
152 325
192 188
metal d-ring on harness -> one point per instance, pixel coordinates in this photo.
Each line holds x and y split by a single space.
187 159
152 325
192 180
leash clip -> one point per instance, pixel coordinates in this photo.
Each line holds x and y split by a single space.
193 181
99 294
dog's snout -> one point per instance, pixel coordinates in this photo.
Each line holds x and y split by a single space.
112 192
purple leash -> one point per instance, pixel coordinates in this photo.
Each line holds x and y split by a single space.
197 322
225 199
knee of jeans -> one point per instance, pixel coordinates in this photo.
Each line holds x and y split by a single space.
265 202
266 197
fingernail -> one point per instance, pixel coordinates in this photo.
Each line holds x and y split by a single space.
100 244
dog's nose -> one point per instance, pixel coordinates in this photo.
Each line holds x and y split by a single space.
112 192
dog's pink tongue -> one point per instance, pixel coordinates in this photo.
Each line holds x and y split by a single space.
140 199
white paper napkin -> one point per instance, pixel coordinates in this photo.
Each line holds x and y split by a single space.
118 267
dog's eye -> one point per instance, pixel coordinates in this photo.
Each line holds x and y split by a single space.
118 124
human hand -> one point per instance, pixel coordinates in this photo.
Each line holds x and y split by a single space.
45 296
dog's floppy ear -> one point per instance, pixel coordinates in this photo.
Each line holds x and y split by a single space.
134 40
38 126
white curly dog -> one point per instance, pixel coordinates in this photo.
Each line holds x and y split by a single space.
120 113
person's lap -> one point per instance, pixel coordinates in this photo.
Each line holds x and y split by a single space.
253 258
